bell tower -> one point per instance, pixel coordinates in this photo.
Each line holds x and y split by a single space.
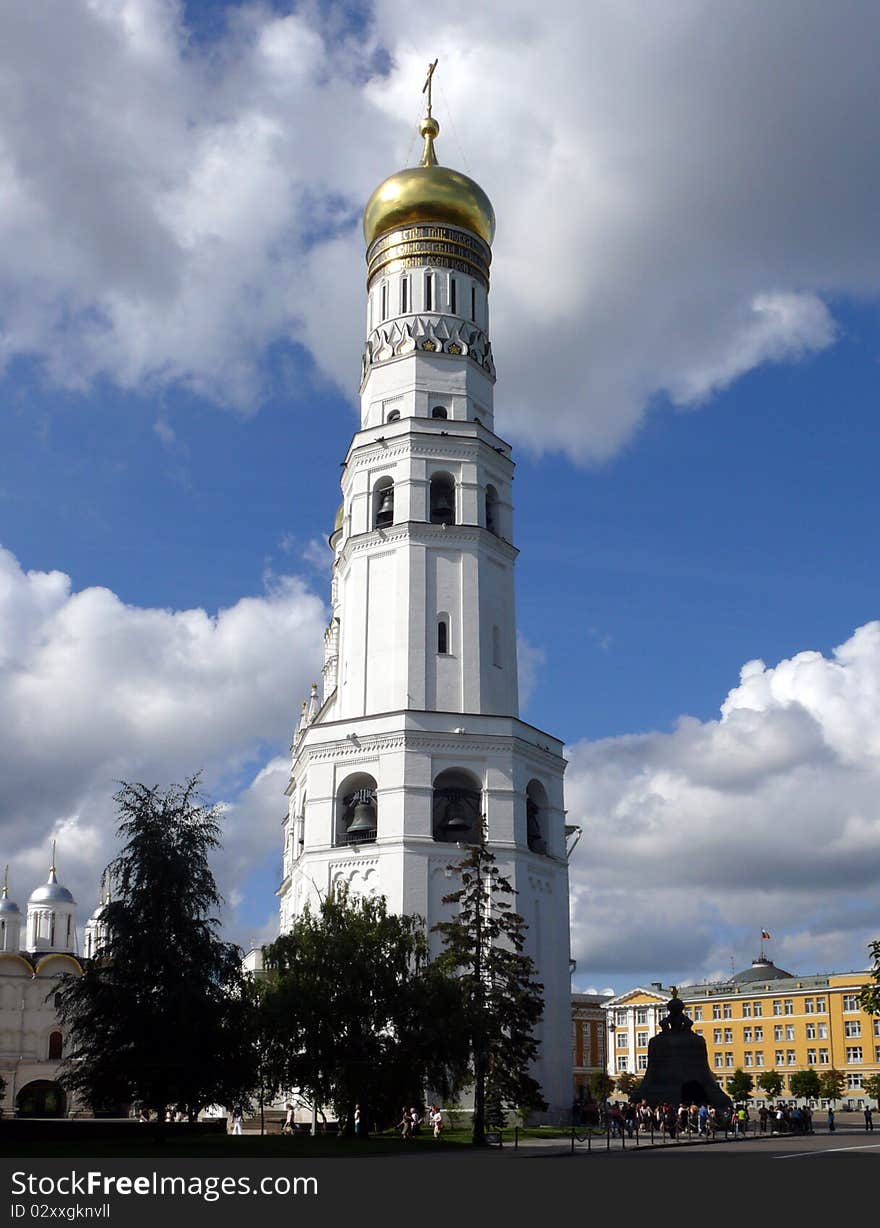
415 743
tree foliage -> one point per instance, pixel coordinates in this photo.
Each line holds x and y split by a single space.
805 1083
740 1085
770 1082
601 1085
483 947
161 1014
354 1013
869 997
871 1084
627 1082
831 1083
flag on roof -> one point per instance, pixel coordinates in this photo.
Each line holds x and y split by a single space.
764 934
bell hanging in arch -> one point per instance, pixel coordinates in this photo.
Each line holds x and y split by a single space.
456 818
364 817
385 510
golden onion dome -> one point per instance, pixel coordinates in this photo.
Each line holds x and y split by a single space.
429 193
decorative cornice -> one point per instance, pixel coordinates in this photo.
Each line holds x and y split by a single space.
371 746
424 534
444 336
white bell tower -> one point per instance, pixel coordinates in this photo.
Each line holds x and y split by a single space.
415 739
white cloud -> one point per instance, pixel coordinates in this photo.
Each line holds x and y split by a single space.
682 189
768 817
94 691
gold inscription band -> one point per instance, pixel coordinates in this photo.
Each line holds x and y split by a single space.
429 246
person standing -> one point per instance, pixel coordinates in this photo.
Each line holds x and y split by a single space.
405 1123
237 1119
436 1120
830 1120
869 1117
287 1128
357 1120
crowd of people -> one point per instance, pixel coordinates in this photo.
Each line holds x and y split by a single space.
624 1119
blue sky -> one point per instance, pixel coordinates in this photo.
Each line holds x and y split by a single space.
685 323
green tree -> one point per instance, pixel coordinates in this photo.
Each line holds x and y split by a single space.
805 1083
871 1084
161 1015
483 948
869 998
353 1012
770 1082
626 1083
601 1086
740 1085
831 1084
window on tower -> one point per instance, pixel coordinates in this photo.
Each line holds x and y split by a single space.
442 499
453 296
492 509
56 1046
429 292
394 416
474 303
383 503
439 411
404 295
496 646
536 817
443 634
384 311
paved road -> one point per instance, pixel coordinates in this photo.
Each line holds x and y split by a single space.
844 1141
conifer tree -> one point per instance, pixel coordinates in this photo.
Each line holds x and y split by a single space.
484 947
161 1016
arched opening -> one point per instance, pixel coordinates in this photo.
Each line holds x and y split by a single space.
443 635
41 1099
383 503
356 810
492 509
536 816
457 814
442 499
439 411
56 1046
394 416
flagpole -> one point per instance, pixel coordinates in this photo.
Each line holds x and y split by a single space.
762 944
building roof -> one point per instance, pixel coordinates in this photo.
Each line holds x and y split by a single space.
762 969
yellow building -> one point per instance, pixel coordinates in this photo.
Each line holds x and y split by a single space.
760 1019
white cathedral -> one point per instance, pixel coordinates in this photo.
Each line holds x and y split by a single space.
414 744
31 1037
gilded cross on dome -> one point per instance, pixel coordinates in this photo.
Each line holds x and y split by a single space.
429 128
428 83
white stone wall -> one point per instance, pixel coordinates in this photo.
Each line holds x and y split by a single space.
27 1019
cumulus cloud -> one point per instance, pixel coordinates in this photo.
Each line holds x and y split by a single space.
682 190
767 817
94 691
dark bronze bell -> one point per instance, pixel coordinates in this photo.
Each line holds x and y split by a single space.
456 818
364 817
441 508
385 511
